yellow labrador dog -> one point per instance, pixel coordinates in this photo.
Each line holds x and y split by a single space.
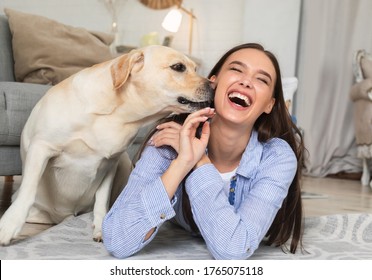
73 144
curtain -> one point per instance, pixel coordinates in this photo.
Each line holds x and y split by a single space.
331 31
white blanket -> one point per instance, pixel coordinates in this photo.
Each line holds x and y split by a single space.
326 237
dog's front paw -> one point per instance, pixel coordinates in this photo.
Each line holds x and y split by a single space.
5 236
97 227
97 234
9 228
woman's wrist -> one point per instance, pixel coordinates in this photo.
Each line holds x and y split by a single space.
173 176
204 160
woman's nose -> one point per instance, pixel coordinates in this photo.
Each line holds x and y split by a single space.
246 83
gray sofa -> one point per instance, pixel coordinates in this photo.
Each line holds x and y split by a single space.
16 102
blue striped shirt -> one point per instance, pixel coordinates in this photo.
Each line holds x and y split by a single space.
264 175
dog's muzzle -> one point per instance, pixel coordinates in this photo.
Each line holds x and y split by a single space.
206 94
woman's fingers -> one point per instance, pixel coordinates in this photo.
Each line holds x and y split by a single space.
204 137
208 112
175 135
173 125
194 119
167 134
166 139
191 147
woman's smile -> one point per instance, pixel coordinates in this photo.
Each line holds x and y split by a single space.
240 99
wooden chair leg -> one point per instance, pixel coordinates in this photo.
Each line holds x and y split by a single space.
366 173
9 179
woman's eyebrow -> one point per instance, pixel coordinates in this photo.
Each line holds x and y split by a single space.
239 63
265 73
245 66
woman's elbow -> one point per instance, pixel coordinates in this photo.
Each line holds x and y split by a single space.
119 249
230 253
120 254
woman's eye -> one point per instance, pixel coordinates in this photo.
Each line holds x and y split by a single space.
263 80
235 69
179 67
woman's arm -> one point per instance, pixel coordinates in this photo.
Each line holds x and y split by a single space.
145 203
235 232
189 148
142 207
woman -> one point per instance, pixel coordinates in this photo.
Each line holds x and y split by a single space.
235 184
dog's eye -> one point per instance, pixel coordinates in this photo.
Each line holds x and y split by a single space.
179 67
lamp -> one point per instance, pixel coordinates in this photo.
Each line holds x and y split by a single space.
172 22
114 7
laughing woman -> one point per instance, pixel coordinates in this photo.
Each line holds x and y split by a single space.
236 184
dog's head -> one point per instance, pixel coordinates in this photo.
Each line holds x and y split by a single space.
162 80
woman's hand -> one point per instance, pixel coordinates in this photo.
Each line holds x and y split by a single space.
168 134
192 148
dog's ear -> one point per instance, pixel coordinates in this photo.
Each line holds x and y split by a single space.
124 65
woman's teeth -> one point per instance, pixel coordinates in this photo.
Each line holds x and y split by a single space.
239 99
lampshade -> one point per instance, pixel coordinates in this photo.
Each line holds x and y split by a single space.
172 20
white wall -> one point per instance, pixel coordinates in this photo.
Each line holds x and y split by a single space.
220 24
275 24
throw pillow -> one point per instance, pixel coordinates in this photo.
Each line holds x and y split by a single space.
47 52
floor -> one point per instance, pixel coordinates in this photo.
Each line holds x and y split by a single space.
339 196
322 196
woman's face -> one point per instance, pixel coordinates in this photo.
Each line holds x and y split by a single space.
244 87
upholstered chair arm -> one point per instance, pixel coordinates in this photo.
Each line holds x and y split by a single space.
362 90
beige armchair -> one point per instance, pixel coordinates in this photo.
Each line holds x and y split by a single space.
361 95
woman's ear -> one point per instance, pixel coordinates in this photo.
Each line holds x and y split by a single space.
270 106
213 80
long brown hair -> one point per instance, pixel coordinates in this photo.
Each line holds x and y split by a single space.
288 221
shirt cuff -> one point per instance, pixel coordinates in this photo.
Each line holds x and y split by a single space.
157 204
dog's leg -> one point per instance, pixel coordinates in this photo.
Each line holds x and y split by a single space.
13 219
123 171
101 203
110 188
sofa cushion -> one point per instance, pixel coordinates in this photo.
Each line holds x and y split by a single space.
10 163
6 52
46 51
16 103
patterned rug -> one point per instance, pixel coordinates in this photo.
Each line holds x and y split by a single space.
339 237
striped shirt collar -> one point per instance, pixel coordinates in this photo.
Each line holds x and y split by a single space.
251 157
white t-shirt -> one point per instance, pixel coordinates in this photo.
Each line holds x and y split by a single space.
226 177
